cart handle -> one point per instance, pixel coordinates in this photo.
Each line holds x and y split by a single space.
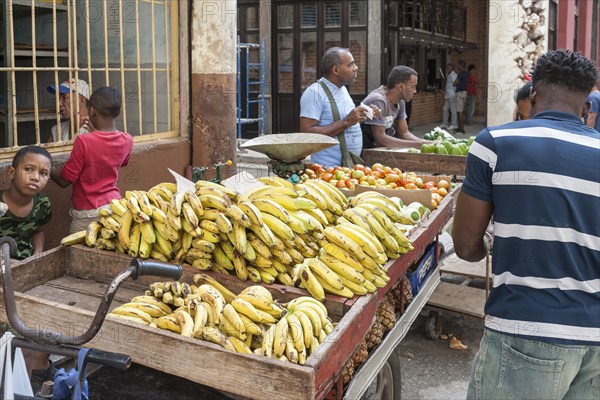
136 269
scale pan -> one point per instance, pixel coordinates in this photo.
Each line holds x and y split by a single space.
290 147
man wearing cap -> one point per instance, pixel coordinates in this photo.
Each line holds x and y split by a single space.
65 89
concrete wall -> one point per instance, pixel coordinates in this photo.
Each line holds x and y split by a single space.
517 35
214 66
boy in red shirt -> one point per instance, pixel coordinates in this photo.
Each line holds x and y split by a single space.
93 167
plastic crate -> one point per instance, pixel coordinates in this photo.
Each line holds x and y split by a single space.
424 268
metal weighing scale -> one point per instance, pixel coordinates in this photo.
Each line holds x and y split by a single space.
287 150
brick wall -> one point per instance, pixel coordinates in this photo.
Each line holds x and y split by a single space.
426 108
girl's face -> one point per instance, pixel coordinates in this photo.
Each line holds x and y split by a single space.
31 175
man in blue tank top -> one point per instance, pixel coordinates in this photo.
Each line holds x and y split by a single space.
540 180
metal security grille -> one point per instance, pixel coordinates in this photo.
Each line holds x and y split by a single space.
130 45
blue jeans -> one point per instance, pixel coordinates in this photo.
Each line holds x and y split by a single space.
470 109
509 367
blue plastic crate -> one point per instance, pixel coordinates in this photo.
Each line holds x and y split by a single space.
424 268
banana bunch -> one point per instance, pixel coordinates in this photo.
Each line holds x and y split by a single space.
376 214
298 334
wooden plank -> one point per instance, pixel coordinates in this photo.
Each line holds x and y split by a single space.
454 265
89 263
464 299
434 163
253 376
38 270
81 293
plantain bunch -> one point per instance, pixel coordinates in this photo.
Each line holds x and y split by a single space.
250 322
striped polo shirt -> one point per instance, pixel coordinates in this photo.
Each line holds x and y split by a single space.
543 177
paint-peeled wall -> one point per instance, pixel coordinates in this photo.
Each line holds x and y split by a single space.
214 90
517 37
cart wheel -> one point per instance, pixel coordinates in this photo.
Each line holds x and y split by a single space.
433 326
386 384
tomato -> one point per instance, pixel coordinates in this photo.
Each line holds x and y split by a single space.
442 192
367 171
436 197
371 180
392 185
419 182
341 184
428 185
442 183
339 175
311 174
392 178
359 167
326 176
315 167
350 183
376 166
387 170
397 171
434 204
410 186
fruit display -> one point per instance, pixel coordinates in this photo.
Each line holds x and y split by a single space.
378 176
308 235
249 322
444 143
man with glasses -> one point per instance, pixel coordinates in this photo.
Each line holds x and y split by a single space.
391 129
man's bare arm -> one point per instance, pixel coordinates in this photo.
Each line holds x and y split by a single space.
471 218
55 175
356 116
591 119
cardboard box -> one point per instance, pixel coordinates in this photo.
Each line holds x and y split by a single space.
424 268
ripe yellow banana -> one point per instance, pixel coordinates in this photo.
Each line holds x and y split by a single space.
240 346
238 215
203 264
244 307
214 335
134 241
270 207
281 335
194 202
200 279
169 322
333 192
387 206
376 227
325 273
105 244
337 237
343 270
92 232
305 204
157 201
117 208
267 341
233 195
366 243
308 220
214 202
220 258
344 292
133 312
233 317
223 223
289 203
185 321
251 327
189 214
74 238
314 196
209 237
213 297
129 318
296 331
311 283
153 301
252 212
356 288
259 246
264 233
285 279
103 212
278 227
200 318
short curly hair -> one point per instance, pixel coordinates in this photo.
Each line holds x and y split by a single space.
565 69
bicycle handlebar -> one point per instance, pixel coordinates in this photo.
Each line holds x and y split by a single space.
136 269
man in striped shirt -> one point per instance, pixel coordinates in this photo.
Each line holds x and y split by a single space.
540 180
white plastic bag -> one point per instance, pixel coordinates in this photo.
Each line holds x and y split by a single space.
15 380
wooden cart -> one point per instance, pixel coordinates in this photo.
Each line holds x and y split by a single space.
61 289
